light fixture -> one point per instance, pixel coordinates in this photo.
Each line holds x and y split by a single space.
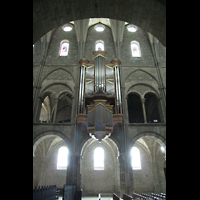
132 28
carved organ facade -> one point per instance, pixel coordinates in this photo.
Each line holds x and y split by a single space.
100 105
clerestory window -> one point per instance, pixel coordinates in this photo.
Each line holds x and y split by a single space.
135 49
99 45
62 158
64 48
99 159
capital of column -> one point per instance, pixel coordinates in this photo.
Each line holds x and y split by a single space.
83 61
116 61
56 100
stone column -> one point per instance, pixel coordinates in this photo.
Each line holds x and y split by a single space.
73 170
122 174
143 108
55 111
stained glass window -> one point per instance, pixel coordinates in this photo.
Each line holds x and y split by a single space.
99 159
64 48
135 48
99 45
62 158
136 163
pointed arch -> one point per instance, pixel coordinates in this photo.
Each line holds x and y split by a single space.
57 83
53 70
141 71
45 134
159 138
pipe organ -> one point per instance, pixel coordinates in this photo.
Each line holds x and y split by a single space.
99 106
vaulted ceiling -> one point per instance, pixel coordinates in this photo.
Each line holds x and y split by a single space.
150 15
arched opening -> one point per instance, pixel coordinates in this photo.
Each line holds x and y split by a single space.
47 14
49 161
152 156
151 108
135 112
45 113
64 108
99 162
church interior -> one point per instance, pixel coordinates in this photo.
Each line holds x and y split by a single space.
99 99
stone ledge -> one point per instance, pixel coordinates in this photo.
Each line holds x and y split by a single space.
146 124
54 124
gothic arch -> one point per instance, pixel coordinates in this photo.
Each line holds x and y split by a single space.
151 92
56 83
151 89
65 92
133 92
142 71
151 16
90 141
162 140
47 93
59 68
45 134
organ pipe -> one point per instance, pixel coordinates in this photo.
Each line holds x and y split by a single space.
95 80
80 89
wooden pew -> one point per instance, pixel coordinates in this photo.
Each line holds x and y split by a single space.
115 197
45 193
127 197
135 196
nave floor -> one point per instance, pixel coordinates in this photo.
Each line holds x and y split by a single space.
102 198
91 198
96 198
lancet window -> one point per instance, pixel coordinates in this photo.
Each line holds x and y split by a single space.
136 163
62 158
64 48
135 49
99 159
99 45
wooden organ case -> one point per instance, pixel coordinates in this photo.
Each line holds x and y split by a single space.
99 106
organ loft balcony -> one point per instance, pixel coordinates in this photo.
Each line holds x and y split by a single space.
100 106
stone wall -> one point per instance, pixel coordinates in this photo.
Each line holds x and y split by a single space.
99 181
45 167
58 78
